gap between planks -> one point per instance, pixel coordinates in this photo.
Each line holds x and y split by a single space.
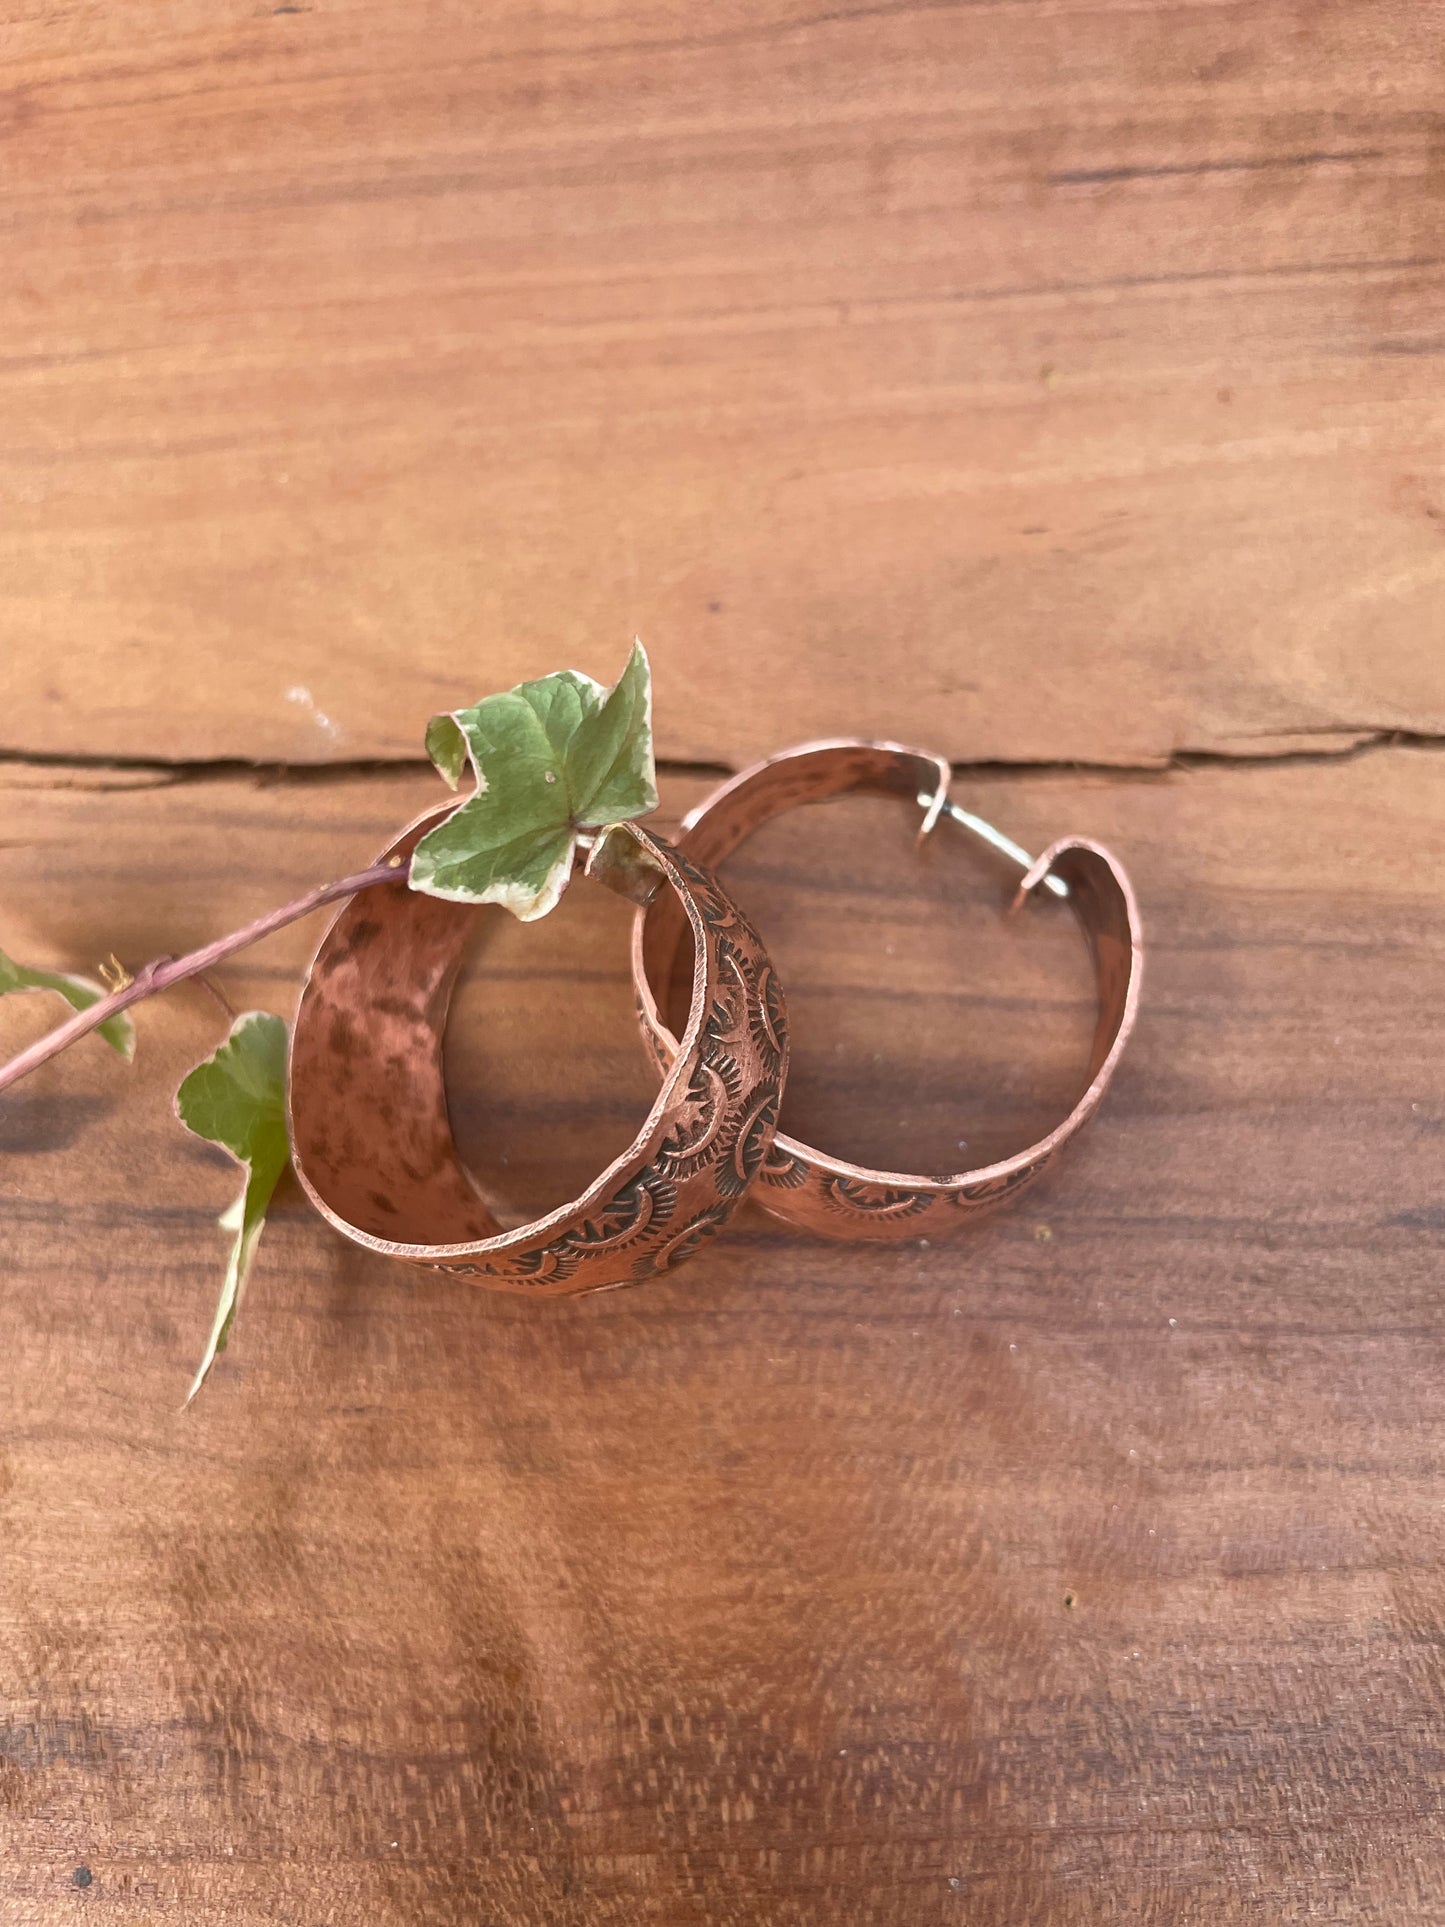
23 769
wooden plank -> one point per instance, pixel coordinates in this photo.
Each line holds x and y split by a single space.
744 1597
1059 379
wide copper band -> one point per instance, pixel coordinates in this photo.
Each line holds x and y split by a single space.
827 1194
372 1139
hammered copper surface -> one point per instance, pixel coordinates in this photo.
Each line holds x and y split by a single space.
372 1139
828 1195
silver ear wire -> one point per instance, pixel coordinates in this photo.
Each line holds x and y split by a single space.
939 805
934 806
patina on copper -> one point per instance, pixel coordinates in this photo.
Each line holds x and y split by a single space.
827 1194
372 1140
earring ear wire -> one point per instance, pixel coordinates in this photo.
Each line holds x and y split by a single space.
939 805
934 805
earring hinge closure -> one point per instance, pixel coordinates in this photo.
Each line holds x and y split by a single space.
939 805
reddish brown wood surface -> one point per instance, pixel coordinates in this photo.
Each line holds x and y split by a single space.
1087 1570
1050 381
1061 379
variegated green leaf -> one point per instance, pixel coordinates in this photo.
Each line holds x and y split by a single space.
237 1099
550 758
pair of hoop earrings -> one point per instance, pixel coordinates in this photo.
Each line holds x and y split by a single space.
372 1140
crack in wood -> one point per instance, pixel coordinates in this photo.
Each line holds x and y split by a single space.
1362 740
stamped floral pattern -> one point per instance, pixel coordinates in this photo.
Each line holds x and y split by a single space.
710 1146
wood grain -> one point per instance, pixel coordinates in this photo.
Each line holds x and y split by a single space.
1065 1579
1057 379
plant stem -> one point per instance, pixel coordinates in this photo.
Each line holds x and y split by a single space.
162 972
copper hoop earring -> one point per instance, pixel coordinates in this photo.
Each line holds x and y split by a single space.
824 1194
372 1139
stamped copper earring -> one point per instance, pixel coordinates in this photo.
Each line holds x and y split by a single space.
372 1140
826 1194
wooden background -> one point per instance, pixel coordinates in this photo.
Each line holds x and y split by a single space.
1057 383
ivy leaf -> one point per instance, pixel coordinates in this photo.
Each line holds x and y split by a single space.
79 992
237 1099
550 757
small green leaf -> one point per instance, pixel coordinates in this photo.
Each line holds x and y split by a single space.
79 992
237 1099
610 769
550 757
